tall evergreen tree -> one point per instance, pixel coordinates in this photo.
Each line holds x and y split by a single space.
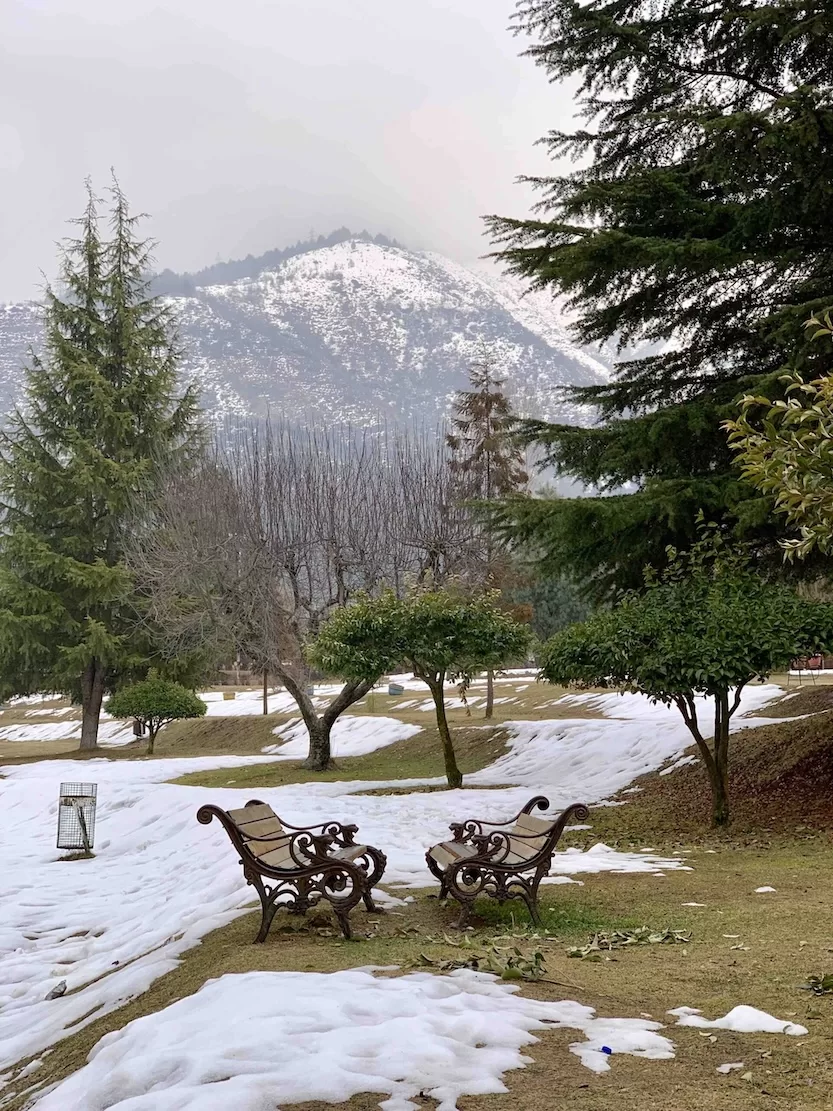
488 464
697 226
102 418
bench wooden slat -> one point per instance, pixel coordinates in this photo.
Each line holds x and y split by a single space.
261 849
280 857
349 852
524 847
247 814
520 851
264 827
451 851
526 823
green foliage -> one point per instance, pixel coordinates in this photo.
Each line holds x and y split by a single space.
78 467
707 625
155 702
694 633
553 603
699 212
438 634
785 448
487 461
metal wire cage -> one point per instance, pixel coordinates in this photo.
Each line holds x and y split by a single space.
76 816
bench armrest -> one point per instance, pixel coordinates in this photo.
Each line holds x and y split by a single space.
337 831
478 827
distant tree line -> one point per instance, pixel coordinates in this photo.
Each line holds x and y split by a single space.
170 284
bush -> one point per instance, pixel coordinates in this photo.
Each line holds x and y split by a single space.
155 702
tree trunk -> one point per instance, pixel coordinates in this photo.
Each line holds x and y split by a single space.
490 693
151 739
716 761
720 797
719 770
265 691
92 693
320 753
452 772
320 726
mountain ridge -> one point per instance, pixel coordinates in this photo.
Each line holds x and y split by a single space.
358 330
171 283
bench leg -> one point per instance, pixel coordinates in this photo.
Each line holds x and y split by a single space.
439 874
530 896
369 904
532 905
465 914
269 905
343 917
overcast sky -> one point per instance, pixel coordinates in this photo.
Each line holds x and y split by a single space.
240 125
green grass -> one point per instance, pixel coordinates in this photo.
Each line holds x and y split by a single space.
786 935
418 757
569 916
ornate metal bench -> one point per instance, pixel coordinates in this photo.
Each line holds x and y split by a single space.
505 863
294 867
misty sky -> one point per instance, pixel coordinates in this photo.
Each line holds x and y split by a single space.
240 125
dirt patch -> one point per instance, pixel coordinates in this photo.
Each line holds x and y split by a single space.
806 700
780 782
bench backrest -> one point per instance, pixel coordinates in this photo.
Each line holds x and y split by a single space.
262 821
526 846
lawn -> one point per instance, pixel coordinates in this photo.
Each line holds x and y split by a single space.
746 947
785 935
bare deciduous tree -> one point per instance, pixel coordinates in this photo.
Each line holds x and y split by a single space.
251 551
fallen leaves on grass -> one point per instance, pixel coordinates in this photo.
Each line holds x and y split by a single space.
508 964
820 985
620 939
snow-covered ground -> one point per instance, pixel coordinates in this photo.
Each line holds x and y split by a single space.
109 732
301 1036
229 704
159 881
350 736
344 1033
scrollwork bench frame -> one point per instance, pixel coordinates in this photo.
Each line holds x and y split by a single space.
295 867
503 860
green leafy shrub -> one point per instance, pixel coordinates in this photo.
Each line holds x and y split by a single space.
437 634
155 702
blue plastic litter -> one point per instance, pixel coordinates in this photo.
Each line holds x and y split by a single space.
606 1049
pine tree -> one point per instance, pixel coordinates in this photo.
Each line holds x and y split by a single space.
78 462
485 458
487 463
698 224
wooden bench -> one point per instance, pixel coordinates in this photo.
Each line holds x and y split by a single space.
296 867
487 858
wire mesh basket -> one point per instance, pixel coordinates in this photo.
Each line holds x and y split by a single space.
76 816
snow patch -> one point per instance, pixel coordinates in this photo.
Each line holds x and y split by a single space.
350 736
301 1036
741 1020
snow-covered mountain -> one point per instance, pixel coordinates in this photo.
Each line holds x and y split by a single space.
356 331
